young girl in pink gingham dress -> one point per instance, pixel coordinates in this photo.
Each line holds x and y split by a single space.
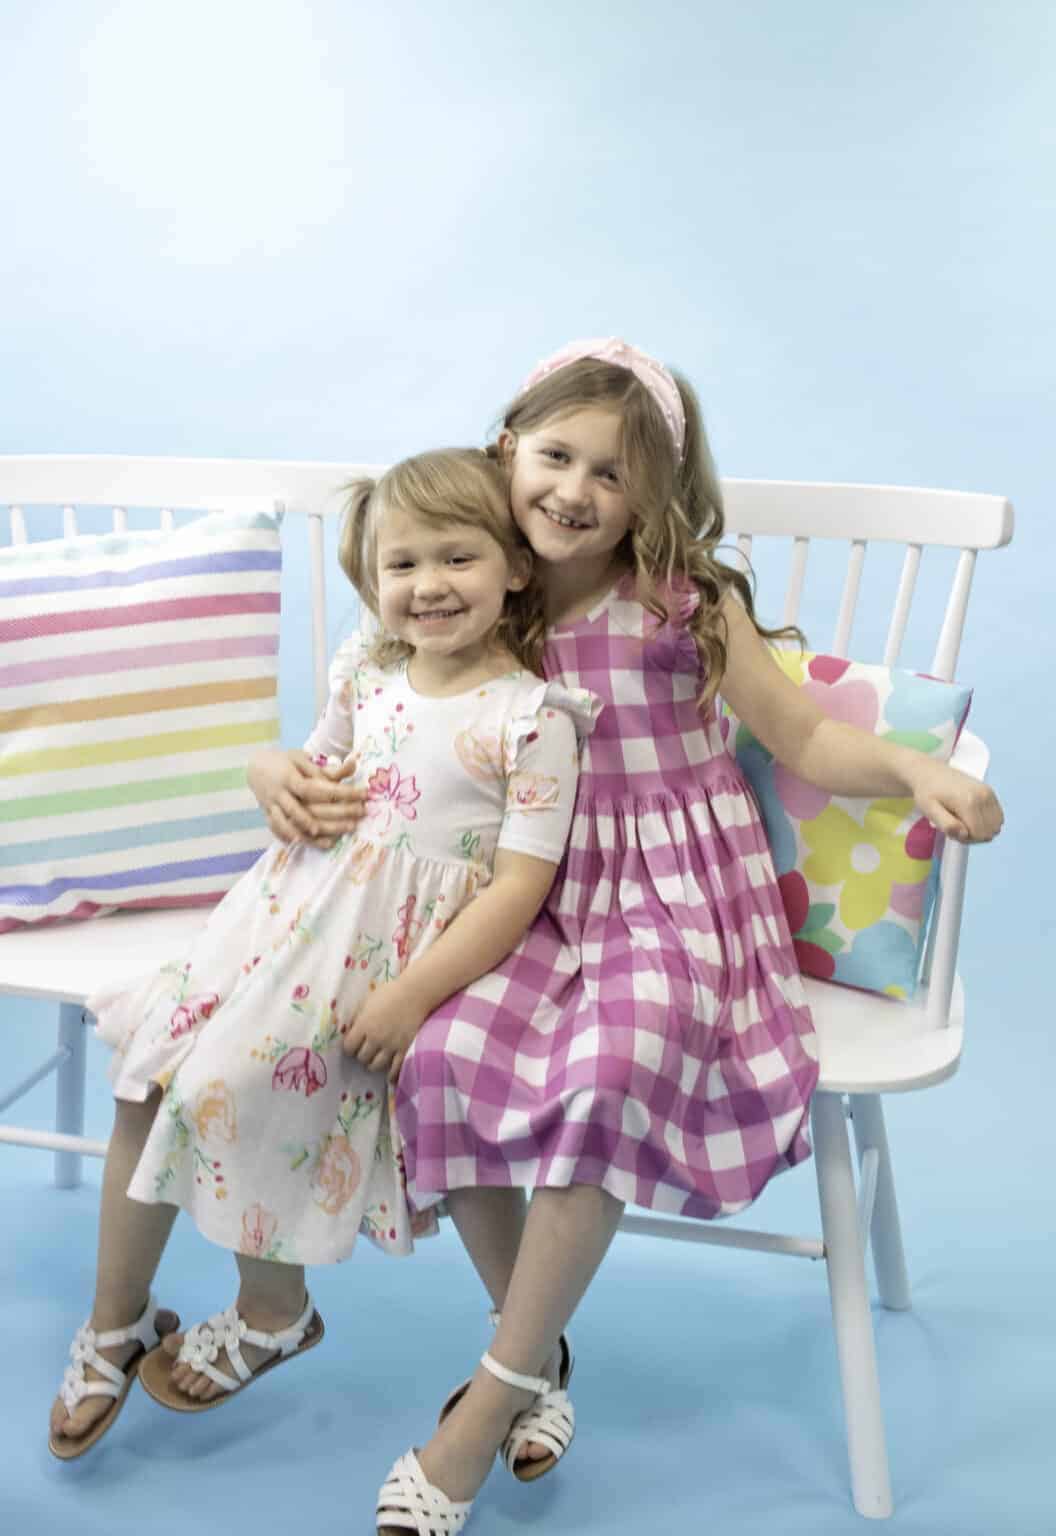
648 1040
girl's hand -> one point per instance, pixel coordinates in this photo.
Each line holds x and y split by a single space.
302 800
381 1032
957 805
336 806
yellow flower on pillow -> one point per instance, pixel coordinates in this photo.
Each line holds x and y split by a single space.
866 861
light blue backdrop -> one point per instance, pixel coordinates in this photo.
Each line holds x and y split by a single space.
344 230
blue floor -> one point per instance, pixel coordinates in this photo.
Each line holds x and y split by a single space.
706 1382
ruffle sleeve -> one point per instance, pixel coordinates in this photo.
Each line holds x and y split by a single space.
541 750
580 706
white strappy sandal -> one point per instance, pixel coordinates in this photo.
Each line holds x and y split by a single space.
226 1331
116 1383
409 1501
549 1421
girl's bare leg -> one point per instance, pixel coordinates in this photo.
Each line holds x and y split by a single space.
566 1236
270 1298
490 1223
132 1238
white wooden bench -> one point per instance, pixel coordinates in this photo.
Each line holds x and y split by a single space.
869 1045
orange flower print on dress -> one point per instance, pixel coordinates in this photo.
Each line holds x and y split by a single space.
480 756
214 1112
531 792
389 795
364 863
258 1228
337 1175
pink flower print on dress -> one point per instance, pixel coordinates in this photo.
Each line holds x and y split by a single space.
193 1012
408 928
337 1175
480 756
214 1112
258 1228
531 792
300 1068
182 1022
388 793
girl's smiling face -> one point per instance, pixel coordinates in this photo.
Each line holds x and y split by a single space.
567 486
442 588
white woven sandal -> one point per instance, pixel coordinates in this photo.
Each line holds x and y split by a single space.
550 1420
226 1331
408 1501
116 1383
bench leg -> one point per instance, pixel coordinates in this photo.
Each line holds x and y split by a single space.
69 1091
851 1317
889 1259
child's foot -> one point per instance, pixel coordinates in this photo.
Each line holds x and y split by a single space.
74 1423
457 1459
236 1345
532 1450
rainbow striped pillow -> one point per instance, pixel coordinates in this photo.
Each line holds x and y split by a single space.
138 675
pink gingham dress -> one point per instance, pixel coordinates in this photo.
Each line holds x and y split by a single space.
650 1034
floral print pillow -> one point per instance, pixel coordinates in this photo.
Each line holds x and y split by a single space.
857 877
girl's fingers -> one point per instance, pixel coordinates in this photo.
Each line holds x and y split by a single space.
279 826
325 791
294 811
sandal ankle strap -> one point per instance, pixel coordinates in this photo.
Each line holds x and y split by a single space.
142 1331
287 1339
533 1384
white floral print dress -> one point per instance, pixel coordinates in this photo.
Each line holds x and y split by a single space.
276 1143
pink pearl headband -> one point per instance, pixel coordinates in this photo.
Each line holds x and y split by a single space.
646 369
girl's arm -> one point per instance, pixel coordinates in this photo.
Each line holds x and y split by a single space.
475 942
302 799
841 758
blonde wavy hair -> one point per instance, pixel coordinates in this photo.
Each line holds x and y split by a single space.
445 487
677 519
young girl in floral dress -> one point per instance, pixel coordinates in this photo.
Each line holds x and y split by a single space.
250 1075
